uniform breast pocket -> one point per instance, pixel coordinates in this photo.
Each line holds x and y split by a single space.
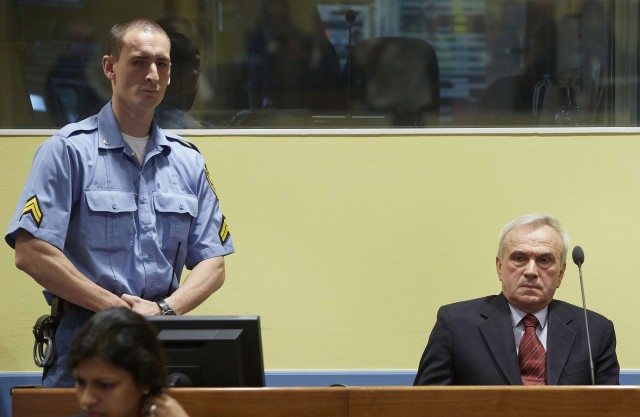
174 214
111 220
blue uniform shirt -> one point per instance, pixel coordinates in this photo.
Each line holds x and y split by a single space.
128 228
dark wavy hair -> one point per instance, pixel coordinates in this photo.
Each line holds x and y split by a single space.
124 339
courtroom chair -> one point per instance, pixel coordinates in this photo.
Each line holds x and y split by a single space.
397 77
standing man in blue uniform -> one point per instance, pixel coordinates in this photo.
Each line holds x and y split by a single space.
114 207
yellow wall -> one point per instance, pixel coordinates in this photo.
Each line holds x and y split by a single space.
346 246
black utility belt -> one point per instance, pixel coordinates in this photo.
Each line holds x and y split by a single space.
60 307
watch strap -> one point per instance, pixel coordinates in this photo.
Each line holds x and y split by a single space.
164 307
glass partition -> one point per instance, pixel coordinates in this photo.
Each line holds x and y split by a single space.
335 64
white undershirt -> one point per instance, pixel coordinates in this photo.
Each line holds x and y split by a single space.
138 145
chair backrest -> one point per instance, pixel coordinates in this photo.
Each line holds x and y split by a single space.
394 74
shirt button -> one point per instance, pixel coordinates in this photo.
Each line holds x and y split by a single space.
143 200
181 207
106 142
113 206
145 228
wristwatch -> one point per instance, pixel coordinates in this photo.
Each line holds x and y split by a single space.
164 307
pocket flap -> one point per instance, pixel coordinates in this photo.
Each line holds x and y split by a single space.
582 366
111 201
176 203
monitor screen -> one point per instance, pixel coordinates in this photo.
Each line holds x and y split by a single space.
211 351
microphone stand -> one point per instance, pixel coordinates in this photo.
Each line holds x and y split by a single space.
350 17
578 258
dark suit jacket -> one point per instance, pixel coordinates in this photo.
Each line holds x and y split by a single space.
472 343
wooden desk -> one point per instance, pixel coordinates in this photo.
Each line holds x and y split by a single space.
554 401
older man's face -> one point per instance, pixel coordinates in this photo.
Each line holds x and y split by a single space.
531 268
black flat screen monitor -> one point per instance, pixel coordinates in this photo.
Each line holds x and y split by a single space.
211 351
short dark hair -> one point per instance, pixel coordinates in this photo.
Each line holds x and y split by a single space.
124 339
119 30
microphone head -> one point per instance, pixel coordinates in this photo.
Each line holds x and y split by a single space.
578 255
350 15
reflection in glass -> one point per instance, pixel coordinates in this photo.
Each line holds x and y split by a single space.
70 93
323 64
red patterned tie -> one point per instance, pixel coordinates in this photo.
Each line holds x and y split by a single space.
532 356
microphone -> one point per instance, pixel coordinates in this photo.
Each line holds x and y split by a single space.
350 16
578 259
578 256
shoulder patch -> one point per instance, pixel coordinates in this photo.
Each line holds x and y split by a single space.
183 142
209 180
32 207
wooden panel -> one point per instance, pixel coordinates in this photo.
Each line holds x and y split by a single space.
556 401
250 402
41 402
203 402
369 402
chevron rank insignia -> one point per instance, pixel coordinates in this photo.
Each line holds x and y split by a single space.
223 233
32 207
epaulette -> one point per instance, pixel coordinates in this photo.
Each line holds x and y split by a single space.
182 142
87 125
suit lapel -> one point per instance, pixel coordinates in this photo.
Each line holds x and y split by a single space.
497 331
560 338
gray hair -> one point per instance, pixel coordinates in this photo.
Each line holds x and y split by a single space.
537 220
